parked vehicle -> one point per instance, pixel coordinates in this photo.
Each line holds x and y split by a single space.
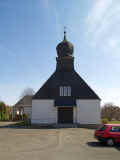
108 133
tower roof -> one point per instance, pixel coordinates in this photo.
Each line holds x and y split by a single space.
65 48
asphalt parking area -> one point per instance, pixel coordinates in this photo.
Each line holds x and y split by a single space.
54 144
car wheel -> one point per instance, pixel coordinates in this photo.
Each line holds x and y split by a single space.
110 142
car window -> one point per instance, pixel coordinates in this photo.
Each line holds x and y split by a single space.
115 129
102 128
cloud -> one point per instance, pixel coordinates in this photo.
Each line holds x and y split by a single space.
97 13
103 21
113 42
111 47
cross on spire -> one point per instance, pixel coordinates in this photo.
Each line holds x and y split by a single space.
65 33
65 29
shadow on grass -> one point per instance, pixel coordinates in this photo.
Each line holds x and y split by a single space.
102 145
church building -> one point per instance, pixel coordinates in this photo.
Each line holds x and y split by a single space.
65 98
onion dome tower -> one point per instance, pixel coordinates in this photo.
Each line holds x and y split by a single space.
65 76
65 59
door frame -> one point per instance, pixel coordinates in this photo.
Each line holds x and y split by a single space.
62 107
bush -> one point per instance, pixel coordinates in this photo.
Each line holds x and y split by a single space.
10 117
25 116
27 122
4 116
104 120
18 118
26 119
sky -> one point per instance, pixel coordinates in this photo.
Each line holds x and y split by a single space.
31 29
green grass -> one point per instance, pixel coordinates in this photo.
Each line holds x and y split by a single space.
114 122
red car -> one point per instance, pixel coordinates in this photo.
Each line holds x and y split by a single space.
108 133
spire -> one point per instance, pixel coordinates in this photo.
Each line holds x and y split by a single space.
65 39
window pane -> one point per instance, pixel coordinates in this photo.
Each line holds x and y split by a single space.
61 91
69 91
65 91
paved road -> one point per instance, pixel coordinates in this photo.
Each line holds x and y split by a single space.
53 144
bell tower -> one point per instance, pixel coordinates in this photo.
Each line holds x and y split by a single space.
65 58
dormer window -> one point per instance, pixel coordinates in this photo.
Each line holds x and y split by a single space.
65 91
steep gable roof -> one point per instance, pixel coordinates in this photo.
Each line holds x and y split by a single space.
80 89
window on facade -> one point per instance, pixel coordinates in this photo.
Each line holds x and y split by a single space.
65 91
61 91
69 91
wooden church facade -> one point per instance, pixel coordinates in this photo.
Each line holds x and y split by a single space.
65 97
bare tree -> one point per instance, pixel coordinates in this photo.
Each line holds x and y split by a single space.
110 111
27 92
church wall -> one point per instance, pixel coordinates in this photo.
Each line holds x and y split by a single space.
88 111
44 112
75 114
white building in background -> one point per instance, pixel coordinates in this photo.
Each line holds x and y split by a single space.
23 106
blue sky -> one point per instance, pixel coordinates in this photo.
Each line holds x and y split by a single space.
31 29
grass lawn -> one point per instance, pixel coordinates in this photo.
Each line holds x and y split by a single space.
114 122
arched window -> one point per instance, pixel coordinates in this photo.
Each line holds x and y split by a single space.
65 91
